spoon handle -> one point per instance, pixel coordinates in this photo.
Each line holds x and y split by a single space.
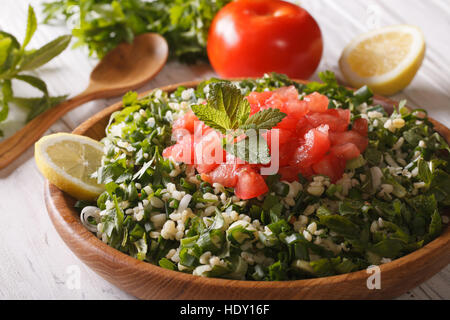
15 145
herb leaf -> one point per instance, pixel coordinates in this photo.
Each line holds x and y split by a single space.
46 53
227 109
264 119
252 149
31 26
212 117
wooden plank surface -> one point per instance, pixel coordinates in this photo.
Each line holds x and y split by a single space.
36 264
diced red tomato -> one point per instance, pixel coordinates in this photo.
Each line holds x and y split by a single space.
316 102
330 166
338 138
336 119
296 108
186 122
182 151
303 126
305 171
257 100
250 184
286 152
282 135
274 101
225 173
208 152
288 173
287 93
361 126
292 105
289 123
346 151
315 146
167 152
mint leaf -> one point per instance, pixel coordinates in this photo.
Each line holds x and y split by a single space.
252 149
214 118
227 98
264 119
227 109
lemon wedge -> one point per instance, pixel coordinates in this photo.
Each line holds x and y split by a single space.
68 160
385 59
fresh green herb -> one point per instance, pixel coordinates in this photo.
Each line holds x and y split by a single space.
102 24
228 111
15 59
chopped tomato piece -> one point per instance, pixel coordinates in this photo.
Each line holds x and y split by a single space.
250 184
303 126
330 166
346 151
208 152
296 108
286 152
287 93
258 100
361 126
186 122
226 173
289 123
305 171
168 152
338 138
316 102
316 145
182 151
336 119
288 173
282 135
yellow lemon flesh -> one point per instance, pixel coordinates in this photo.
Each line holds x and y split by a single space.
68 160
385 59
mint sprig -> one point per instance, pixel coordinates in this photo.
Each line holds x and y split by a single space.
228 111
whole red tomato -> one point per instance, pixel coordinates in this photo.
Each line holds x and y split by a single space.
248 38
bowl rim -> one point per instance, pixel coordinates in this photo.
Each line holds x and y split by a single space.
95 246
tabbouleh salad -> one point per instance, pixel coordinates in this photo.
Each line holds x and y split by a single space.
384 204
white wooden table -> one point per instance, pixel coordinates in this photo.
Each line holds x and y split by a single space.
34 261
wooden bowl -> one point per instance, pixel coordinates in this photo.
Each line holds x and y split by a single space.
148 281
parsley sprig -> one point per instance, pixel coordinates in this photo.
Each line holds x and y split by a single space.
228 112
102 24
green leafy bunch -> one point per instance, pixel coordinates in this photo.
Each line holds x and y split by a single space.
228 111
102 24
15 59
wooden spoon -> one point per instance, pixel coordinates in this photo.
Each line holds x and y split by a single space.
125 68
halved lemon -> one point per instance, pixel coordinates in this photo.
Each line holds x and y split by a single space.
385 59
68 160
